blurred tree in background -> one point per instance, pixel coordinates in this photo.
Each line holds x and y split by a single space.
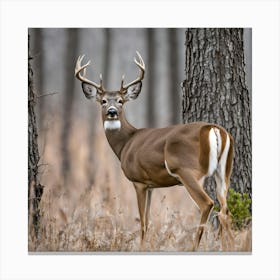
72 42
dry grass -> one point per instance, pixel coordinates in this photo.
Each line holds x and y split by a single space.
103 216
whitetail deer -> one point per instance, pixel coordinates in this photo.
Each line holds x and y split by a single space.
163 157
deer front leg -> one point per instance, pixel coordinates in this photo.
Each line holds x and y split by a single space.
148 205
143 200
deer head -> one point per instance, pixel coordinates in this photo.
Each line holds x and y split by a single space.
111 101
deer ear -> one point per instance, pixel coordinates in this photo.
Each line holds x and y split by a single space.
133 91
90 91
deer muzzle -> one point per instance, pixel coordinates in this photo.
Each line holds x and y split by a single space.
112 113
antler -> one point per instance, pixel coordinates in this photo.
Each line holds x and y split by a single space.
141 66
82 77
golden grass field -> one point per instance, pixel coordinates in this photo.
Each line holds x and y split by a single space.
79 216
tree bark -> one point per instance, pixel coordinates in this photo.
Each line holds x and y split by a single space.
215 91
35 189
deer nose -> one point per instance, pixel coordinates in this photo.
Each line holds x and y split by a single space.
112 112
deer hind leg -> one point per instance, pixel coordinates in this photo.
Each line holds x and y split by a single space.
224 217
201 199
222 182
144 202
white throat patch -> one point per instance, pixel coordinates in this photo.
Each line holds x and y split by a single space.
111 125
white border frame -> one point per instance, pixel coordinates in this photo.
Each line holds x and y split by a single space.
17 16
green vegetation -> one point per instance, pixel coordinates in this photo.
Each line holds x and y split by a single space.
239 207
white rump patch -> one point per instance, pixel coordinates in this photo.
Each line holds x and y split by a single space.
222 167
215 142
111 125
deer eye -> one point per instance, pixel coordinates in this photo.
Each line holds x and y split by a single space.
104 101
120 101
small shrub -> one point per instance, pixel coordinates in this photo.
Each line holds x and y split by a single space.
239 207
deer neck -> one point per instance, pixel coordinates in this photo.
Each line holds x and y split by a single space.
118 136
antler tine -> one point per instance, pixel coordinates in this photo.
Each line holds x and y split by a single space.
78 65
101 80
141 66
141 63
79 68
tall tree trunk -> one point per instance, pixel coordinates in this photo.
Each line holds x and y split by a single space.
70 57
35 189
215 91
150 76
